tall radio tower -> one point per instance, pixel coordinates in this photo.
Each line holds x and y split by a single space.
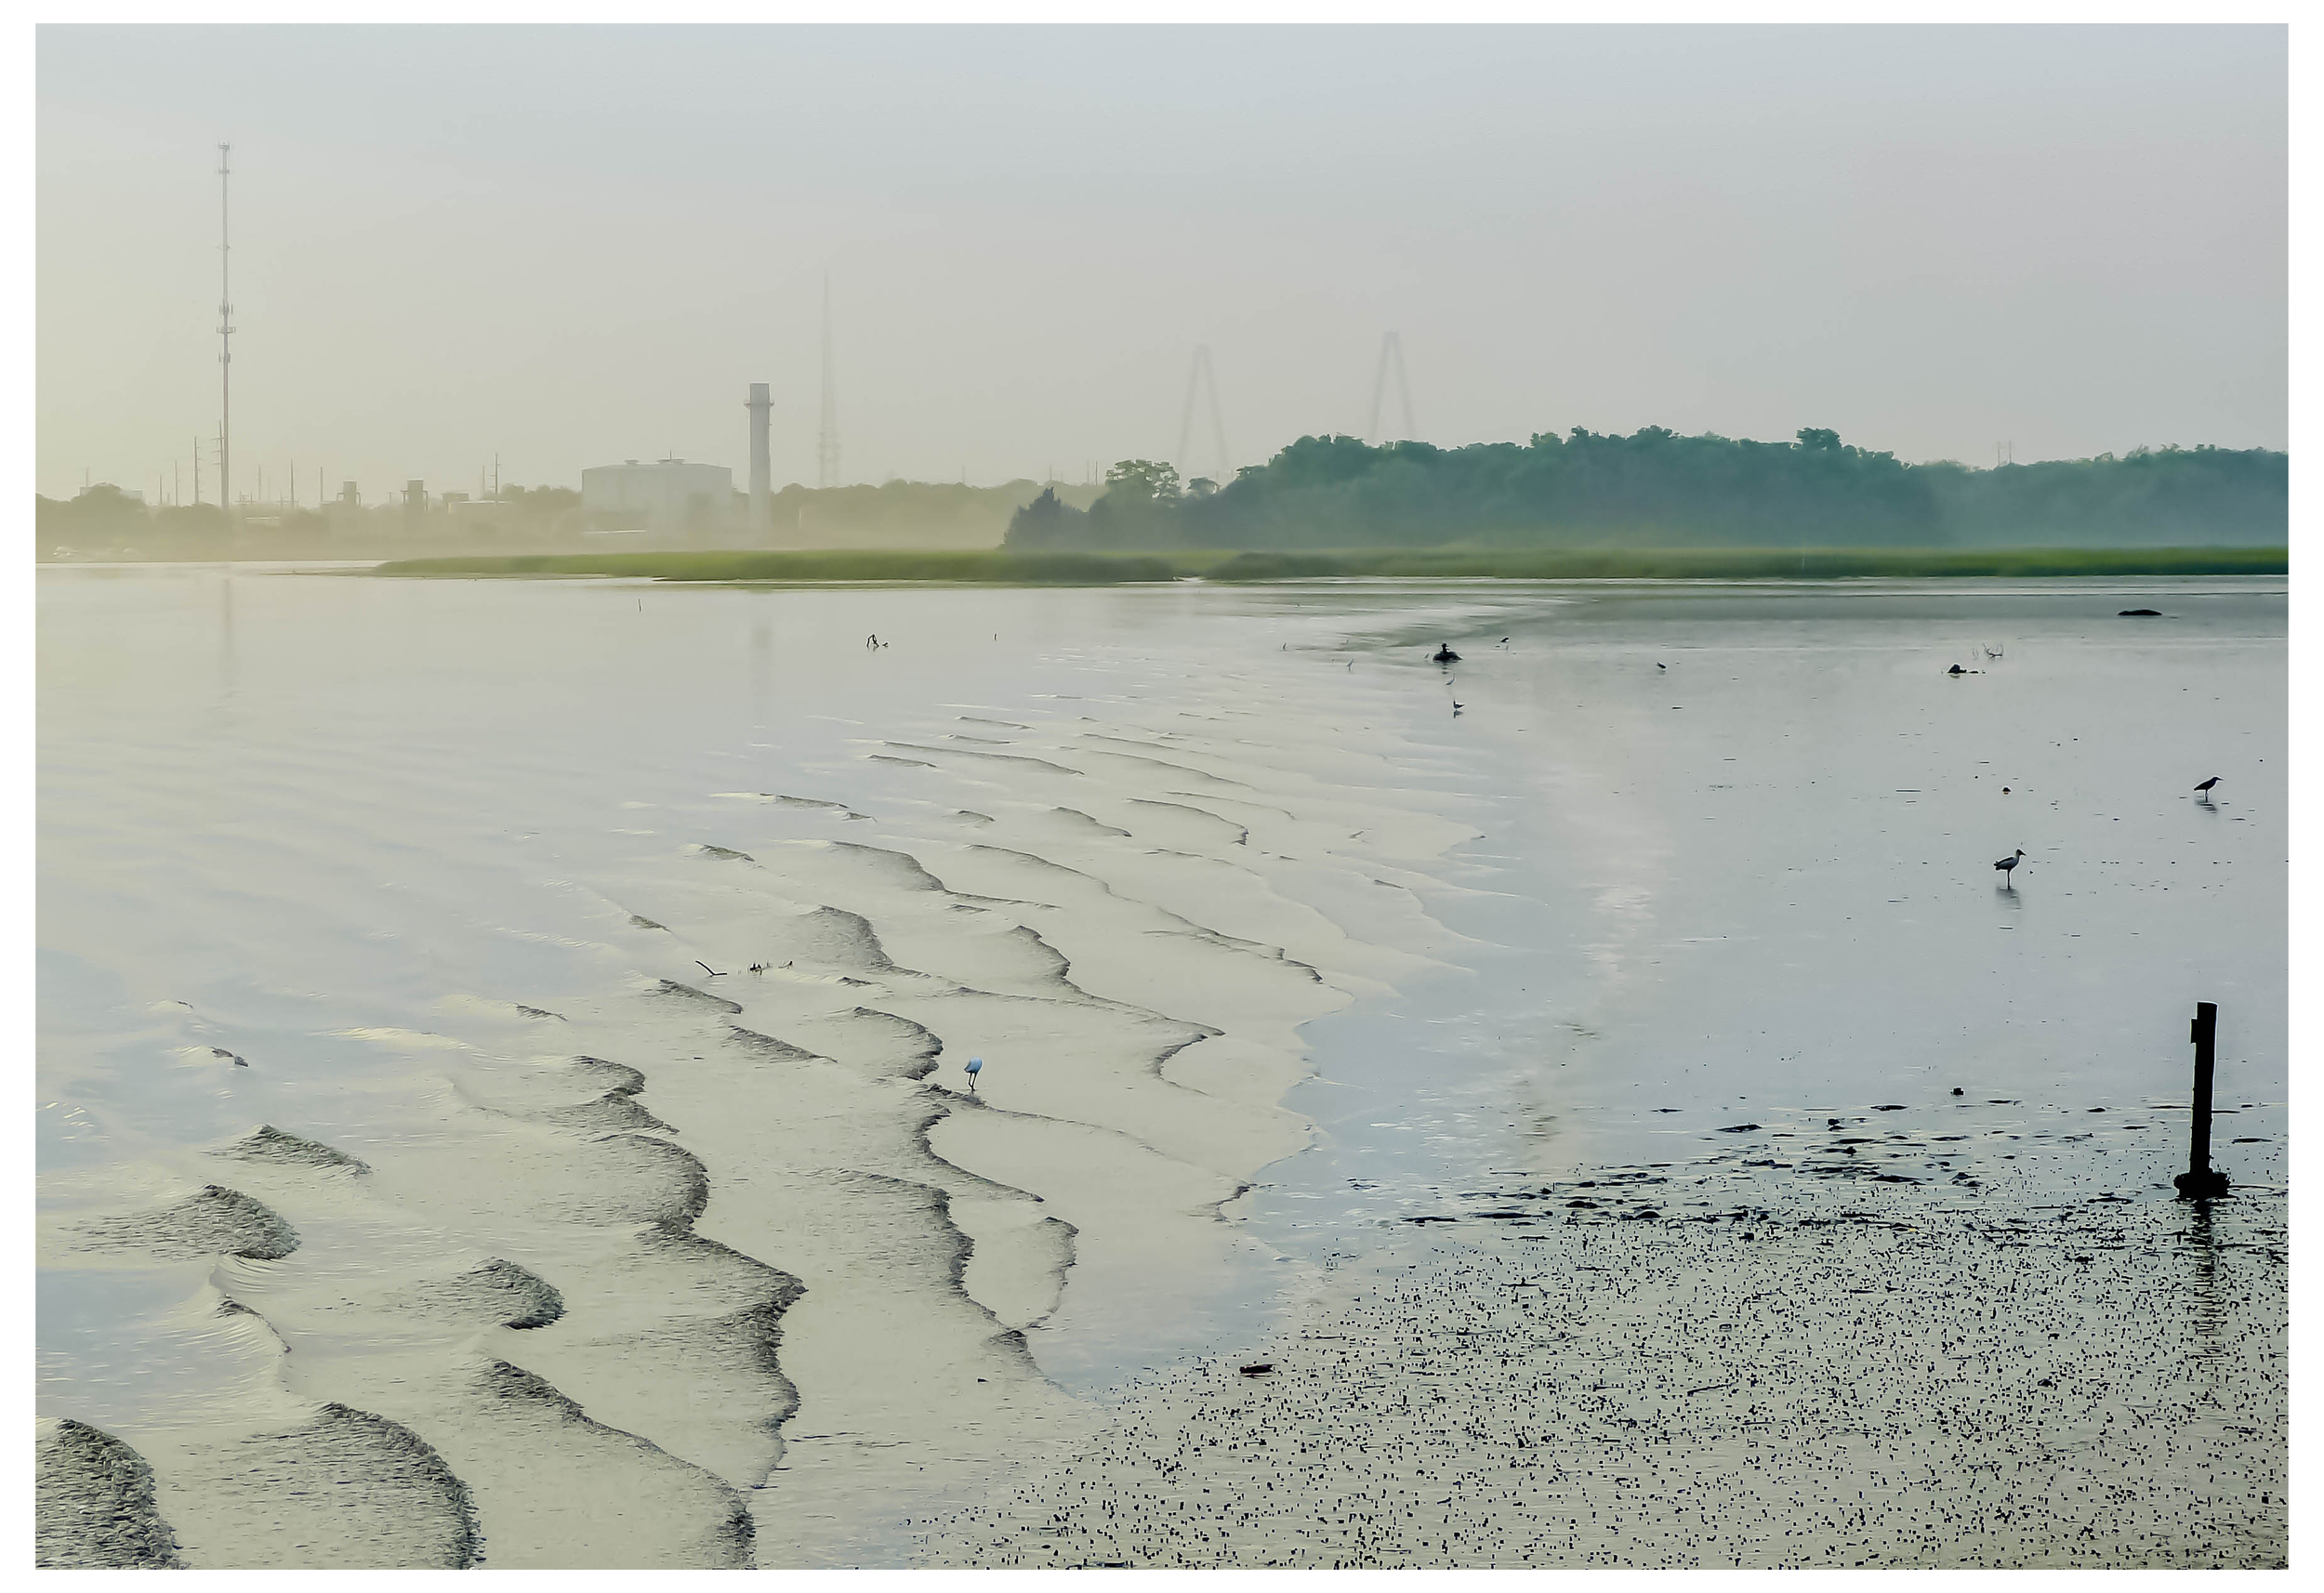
1391 351
225 339
1200 375
827 438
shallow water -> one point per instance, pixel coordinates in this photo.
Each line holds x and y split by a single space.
300 819
1755 884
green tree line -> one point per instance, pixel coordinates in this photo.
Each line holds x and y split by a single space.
1656 488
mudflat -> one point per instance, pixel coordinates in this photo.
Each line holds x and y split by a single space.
503 1064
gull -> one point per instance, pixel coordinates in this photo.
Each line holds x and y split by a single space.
975 1065
2008 866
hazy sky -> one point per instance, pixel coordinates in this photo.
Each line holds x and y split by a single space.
575 245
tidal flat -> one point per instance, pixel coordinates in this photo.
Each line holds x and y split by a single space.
501 1063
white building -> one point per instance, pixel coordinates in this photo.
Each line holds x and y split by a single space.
665 495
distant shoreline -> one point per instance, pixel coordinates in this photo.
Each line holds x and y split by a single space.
1001 568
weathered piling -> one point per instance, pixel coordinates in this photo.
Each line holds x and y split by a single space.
2200 1181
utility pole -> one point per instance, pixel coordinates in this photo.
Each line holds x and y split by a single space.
225 337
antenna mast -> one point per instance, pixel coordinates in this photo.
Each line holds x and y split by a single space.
1200 375
1390 349
827 440
225 337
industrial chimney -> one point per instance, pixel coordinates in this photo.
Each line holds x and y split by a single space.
761 472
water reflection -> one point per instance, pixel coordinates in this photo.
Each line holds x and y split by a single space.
228 674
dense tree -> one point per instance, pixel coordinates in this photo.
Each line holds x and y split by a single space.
1656 488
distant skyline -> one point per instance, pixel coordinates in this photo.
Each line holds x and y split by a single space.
573 245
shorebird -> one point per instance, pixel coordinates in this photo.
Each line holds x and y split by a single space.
2205 785
2008 866
1445 654
975 1065
1956 669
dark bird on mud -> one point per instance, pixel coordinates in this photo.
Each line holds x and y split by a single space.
1445 654
2008 866
1663 666
2205 785
1956 669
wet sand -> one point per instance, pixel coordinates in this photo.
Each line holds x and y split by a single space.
1705 1365
681 1239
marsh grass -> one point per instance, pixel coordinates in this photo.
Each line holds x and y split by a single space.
995 567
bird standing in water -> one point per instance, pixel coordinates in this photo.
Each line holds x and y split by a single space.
975 1066
2008 866
2205 785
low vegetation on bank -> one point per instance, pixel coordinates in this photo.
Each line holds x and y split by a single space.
1002 568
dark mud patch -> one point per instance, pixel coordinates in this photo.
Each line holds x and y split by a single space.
670 990
634 1178
767 1049
347 1490
215 1221
836 939
726 1535
499 1294
723 854
271 1147
1086 824
93 1505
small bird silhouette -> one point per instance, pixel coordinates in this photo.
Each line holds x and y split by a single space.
974 1066
1445 654
2008 866
1956 669
2205 785
1663 666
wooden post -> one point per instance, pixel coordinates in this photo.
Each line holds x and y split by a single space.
2200 1181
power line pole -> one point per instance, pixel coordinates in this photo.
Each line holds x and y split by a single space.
225 336
827 440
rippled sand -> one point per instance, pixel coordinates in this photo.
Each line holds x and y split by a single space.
718 1258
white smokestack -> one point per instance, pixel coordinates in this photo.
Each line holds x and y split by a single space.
761 471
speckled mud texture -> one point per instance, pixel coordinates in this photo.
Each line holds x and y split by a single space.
1902 1376
94 1504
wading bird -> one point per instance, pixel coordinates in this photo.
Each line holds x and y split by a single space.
974 1066
2008 866
2205 785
